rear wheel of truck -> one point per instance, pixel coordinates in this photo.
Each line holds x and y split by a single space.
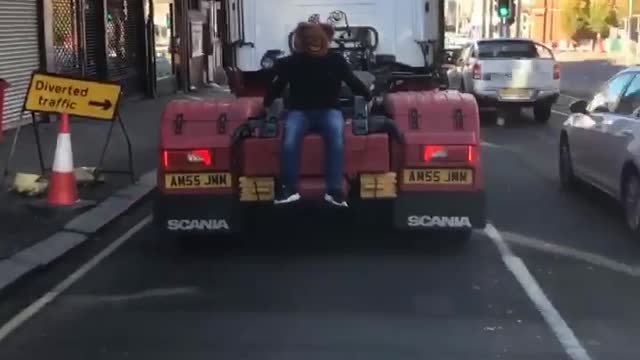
542 112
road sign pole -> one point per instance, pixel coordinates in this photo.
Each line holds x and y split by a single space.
504 28
519 18
12 150
103 153
36 133
99 169
484 18
129 148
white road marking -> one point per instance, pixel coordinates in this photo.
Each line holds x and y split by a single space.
554 320
571 97
560 112
191 97
39 304
591 258
491 145
141 295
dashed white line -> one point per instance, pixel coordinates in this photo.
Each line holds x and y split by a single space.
554 320
39 304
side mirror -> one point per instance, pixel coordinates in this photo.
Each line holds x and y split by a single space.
578 107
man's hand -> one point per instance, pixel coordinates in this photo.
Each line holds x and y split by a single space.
373 102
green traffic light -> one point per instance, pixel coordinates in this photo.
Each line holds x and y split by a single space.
503 12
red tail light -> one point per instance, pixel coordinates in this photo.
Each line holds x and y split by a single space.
450 153
187 159
477 71
556 71
432 152
472 154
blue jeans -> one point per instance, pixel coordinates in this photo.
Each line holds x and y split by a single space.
329 123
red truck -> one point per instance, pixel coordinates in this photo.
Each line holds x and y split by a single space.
417 150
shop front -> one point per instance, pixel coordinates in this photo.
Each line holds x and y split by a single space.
100 39
183 44
19 53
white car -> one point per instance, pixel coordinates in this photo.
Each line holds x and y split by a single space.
508 73
600 143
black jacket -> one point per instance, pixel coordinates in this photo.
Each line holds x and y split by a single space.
314 82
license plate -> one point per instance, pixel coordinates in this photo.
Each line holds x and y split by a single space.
515 93
197 181
500 76
438 176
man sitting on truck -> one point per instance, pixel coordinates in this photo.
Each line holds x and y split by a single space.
315 76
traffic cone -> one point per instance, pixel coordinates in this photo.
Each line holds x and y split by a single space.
63 190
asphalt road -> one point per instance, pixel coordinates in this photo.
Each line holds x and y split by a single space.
553 277
583 78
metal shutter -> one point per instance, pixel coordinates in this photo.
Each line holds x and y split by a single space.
19 52
123 42
92 34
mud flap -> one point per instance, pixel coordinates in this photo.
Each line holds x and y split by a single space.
439 210
198 214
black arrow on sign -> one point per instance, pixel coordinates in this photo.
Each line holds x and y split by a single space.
105 105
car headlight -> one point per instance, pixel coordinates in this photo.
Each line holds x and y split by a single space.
270 57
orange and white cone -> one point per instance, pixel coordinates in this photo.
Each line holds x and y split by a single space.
62 183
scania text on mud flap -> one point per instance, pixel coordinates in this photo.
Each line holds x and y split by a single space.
439 221
190 224
417 150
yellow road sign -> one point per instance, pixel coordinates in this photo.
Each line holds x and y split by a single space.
53 93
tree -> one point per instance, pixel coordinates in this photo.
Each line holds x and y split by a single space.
613 19
571 23
599 13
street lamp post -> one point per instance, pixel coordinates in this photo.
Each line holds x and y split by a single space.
630 15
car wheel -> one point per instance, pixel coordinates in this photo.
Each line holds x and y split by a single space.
631 201
565 166
542 112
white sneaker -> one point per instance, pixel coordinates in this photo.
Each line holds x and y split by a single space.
286 200
333 201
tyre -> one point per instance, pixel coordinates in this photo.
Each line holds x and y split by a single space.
631 201
565 165
542 112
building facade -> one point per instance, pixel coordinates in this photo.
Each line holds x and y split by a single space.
151 47
544 22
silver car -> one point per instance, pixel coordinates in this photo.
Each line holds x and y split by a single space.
600 143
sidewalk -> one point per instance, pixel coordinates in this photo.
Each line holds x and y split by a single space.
622 58
22 227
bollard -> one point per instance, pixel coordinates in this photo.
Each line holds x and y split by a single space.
4 85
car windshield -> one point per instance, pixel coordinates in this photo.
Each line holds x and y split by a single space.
507 49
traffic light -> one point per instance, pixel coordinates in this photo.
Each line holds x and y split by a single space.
504 8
